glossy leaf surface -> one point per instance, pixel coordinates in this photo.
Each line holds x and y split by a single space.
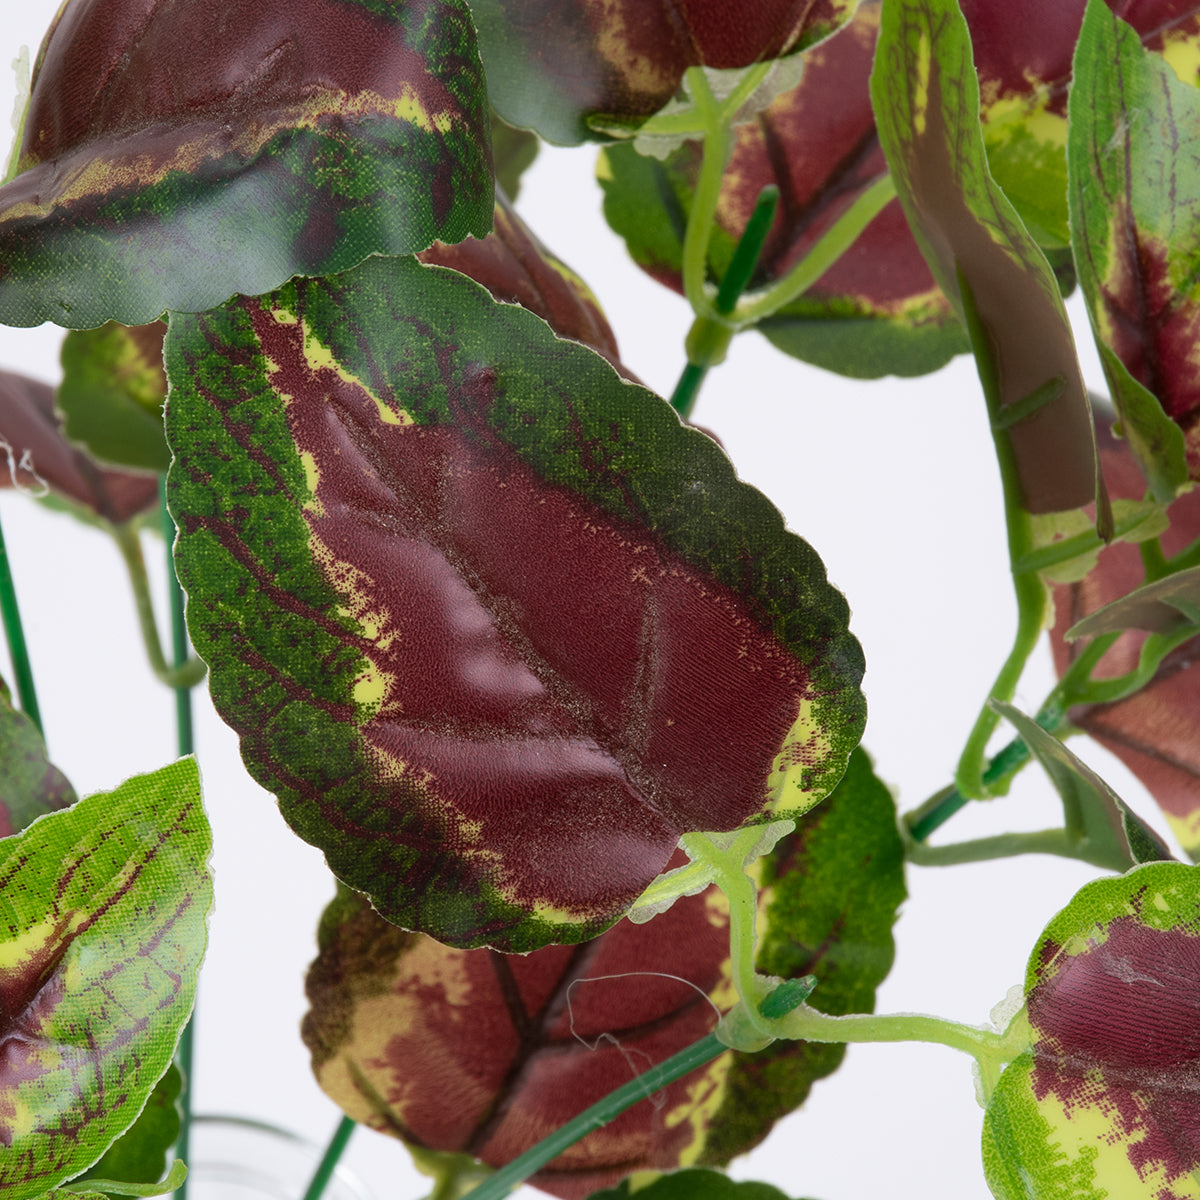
41 457
175 154
1104 1102
1102 828
102 929
926 99
550 66
112 394
877 311
30 784
1156 731
476 605
1134 191
475 1052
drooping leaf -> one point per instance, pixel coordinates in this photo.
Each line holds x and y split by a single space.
474 1052
139 1155
112 394
514 266
41 457
1134 189
1161 607
1101 826
102 929
926 99
550 66
1103 1104
476 605
175 154
513 153
693 1184
1156 731
30 784
877 311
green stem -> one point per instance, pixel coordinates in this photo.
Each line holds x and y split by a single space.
1154 562
597 1116
18 650
703 216
130 545
683 398
749 248
836 240
1028 588
329 1160
1004 845
1155 648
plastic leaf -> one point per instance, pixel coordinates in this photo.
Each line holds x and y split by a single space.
513 153
1101 825
1134 189
29 784
102 930
476 605
474 1052
1156 731
926 99
175 154
1103 1104
1161 607
40 457
877 311
550 66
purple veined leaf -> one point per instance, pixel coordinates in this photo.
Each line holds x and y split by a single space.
550 66
1103 1104
1134 189
101 937
30 784
492 624
877 310
925 94
42 458
477 1053
176 154
1156 731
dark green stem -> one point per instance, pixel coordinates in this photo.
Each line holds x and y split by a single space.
329 1160
749 247
14 631
683 398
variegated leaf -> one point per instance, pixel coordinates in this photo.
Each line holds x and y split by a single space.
174 154
478 607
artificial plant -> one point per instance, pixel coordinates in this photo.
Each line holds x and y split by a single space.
560 698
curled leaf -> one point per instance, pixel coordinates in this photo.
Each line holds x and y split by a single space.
174 154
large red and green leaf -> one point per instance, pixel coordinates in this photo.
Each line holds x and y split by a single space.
1134 190
1156 731
551 66
925 94
1103 1104
39 457
174 154
30 784
877 310
478 1053
492 624
102 930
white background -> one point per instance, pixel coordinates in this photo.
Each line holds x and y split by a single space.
894 484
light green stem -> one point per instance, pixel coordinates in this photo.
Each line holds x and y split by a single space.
703 216
192 671
1004 845
836 240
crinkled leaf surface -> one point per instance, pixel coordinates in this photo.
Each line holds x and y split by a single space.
112 394
1104 1102
1134 190
139 1155
550 65
926 98
41 457
877 311
1156 731
102 929
514 266
175 154
491 623
1101 826
30 784
475 1052
694 1184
